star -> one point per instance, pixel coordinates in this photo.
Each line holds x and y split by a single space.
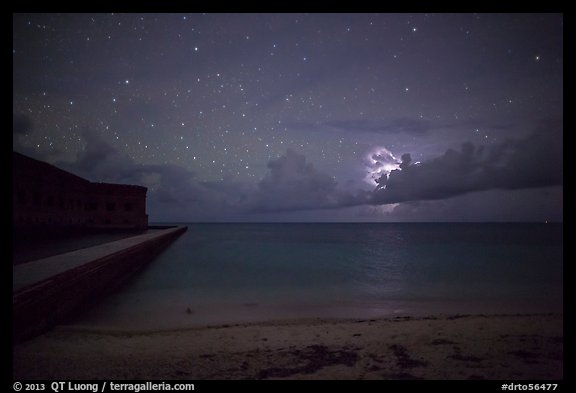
331 93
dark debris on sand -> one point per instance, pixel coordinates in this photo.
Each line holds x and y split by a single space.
403 358
315 357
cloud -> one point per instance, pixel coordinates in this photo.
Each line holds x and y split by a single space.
101 161
21 124
535 161
481 125
402 125
23 127
394 126
174 192
292 183
530 204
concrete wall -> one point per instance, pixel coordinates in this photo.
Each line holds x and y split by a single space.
40 305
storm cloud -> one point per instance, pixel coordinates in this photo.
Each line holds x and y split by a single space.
535 161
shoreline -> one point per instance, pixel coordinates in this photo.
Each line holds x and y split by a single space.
457 346
296 321
130 312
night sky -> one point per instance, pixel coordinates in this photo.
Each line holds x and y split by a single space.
301 117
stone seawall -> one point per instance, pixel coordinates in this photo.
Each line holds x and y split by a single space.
52 290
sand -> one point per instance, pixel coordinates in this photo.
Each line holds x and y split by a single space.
504 347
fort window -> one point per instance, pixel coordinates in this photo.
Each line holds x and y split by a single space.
110 206
22 197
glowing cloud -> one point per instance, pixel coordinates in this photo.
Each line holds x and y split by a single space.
379 161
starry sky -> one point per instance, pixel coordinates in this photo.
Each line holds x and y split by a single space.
301 117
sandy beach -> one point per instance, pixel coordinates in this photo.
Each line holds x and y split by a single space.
509 347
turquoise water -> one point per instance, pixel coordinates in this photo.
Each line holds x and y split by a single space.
225 273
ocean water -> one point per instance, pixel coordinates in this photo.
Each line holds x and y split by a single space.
230 273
